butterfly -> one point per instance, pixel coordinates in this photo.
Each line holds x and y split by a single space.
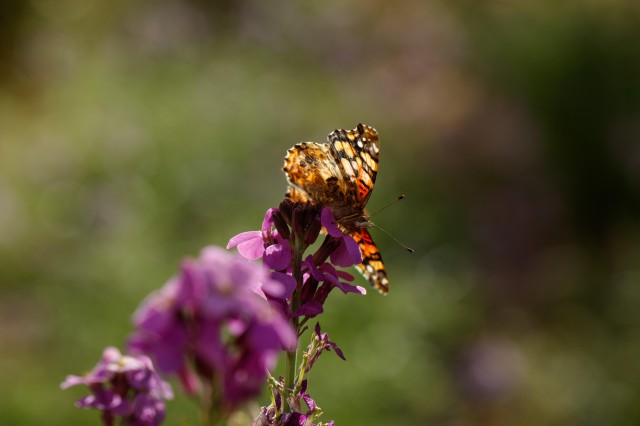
341 174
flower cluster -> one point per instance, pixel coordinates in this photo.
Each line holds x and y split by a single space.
286 233
219 324
213 327
125 387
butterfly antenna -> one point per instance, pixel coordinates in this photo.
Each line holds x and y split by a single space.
404 246
400 197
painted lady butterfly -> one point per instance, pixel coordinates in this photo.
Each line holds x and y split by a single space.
341 175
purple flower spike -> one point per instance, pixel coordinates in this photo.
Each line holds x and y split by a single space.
212 325
286 234
124 386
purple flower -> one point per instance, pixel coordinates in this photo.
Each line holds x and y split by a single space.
213 326
319 277
318 283
328 274
124 386
286 234
267 243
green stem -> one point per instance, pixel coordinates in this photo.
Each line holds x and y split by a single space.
211 416
290 368
291 361
210 405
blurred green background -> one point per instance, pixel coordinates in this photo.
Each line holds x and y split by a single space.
133 133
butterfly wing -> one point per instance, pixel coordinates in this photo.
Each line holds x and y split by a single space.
356 152
372 267
313 174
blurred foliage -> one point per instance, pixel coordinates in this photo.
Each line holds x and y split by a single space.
134 133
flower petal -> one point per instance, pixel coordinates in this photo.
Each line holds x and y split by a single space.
353 249
72 381
337 350
252 249
285 291
313 270
278 256
347 254
267 223
310 309
348 288
344 275
329 222
242 237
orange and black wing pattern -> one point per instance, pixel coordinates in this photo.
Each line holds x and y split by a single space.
341 174
372 266
356 152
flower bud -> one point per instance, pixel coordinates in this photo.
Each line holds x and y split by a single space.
314 230
286 209
281 225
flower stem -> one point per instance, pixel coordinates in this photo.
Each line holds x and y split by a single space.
210 416
107 418
210 405
291 361
290 368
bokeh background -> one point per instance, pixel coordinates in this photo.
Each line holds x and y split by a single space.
133 133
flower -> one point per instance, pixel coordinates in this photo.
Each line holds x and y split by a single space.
124 386
213 326
287 232
315 294
270 245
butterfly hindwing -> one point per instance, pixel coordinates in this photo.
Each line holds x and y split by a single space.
372 266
